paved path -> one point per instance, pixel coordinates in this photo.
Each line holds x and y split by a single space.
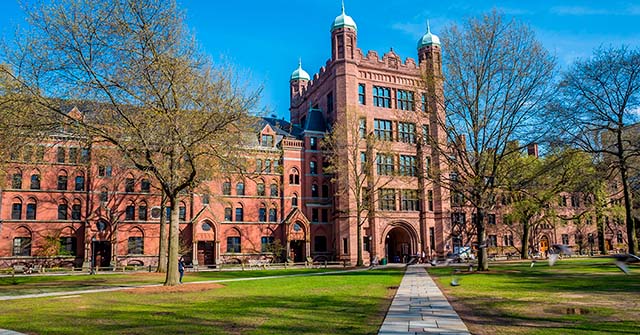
9 332
419 307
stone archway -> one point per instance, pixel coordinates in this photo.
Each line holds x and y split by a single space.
298 246
206 249
400 243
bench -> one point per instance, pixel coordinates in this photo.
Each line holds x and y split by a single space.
259 263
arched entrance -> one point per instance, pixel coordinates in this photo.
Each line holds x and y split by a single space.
297 242
206 245
544 244
399 245
101 244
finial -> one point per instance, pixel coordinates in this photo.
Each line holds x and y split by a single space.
342 6
300 62
428 27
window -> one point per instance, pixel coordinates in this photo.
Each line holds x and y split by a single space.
62 211
361 97
508 240
226 188
314 191
313 167
62 182
492 241
313 143
575 200
408 166
240 188
31 211
458 219
324 215
427 166
273 190
267 140
362 127
84 155
35 182
563 201
136 246
76 211
101 226
182 213
227 214
345 245
79 183
565 239
16 211
260 189
363 162
262 214
40 153
384 164
430 200
145 185
320 243
130 212
73 155
409 200
273 215
405 100
491 219
104 171
457 198
330 103
68 246
205 199
382 97
233 244
407 132
382 129
432 237
60 155
366 243
425 133
239 214
619 237
314 215
294 177
16 181
425 102
22 246
267 166
325 191
104 196
129 184
258 165
265 243
387 199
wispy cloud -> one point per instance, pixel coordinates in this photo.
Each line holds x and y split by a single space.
418 29
631 10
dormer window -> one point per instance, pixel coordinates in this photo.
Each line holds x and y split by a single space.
267 141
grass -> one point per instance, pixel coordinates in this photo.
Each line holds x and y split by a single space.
33 284
343 303
589 296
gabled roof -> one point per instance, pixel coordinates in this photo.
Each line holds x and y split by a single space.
315 121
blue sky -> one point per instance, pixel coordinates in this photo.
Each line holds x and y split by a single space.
263 39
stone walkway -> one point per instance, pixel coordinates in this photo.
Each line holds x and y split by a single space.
419 307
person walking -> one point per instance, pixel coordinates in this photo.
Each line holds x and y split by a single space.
181 268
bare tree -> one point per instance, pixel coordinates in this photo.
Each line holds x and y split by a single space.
600 100
497 78
359 185
151 92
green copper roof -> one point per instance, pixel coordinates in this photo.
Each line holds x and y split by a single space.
299 73
343 20
428 38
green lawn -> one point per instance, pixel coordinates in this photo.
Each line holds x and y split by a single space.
344 303
589 296
32 284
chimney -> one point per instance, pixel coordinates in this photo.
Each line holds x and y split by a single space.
532 150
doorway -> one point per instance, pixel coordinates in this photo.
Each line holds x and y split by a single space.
206 253
544 244
296 251
398 246
101 253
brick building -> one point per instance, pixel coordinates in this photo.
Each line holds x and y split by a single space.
76 194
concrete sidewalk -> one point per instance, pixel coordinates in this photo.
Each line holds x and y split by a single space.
419 307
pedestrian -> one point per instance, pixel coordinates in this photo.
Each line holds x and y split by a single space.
181 268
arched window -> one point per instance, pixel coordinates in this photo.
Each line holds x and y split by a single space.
76 210
240 188
145 185
226 188
62 181
129 184
79 182
142 211
35 181
130 212
228 214
68 242
233 242
63 209
104 195
294 200
325 191
267 166
294 177
16 209
206 226
239 213
260 188
262 213
258 165
31 209
16 180
313 167
273 214
61 155
273 190
22 242
314 190
182 212
136 242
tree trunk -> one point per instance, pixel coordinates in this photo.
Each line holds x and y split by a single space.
162 253
483 259
524 251
631 229
600 228
360 262
172 277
